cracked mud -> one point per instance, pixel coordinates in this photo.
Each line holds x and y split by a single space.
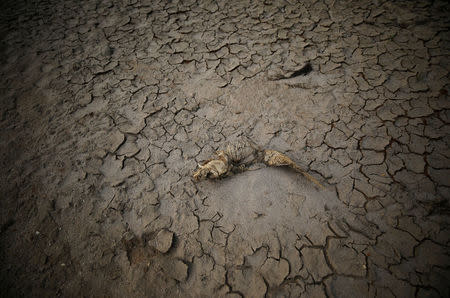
107 107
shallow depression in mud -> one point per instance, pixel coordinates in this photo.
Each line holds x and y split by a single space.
268 199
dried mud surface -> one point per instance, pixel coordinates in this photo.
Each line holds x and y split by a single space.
106 107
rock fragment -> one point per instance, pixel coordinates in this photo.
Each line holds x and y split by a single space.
163 241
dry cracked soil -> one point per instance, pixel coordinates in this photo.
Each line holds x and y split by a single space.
106 108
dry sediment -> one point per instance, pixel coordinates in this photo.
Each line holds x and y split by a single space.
107 107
